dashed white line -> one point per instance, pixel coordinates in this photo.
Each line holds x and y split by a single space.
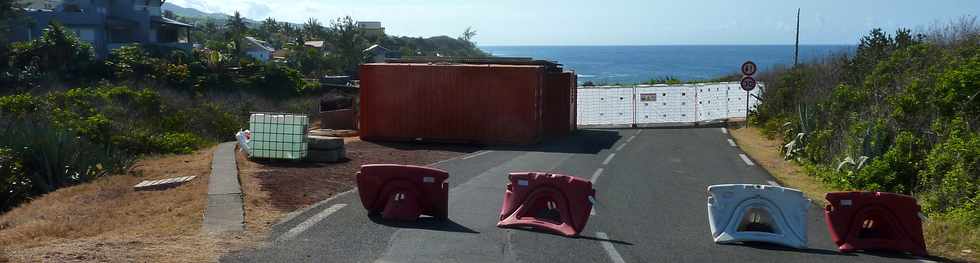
926 260
610 249
724 130
774 183
746 159
475 155
310 222
609 159
732 143
595 175
630 139
620 148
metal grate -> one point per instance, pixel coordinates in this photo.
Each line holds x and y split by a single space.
278 135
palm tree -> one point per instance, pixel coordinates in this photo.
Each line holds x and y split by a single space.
313 29
236 27
270 26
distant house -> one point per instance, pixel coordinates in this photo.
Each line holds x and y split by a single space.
258 49
107 24
371 28
319 44
40 4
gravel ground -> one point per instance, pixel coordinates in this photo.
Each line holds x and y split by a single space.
291 186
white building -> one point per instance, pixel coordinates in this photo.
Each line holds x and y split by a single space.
371 28
257 49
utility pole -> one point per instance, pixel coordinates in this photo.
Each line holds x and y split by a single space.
796 56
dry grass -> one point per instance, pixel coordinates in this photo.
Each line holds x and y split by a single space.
106 220
946 238
765 152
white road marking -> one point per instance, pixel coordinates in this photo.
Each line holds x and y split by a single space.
638 132
724 130
310 222
926 260
732 143
608 159
746 159
595 175
593 212
774 183
610 249
289 217
475 155
630 139
620 148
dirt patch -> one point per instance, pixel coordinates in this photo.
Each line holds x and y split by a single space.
106 220
290 186
765 152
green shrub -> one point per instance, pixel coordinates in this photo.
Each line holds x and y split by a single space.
14 187
950 181
181 143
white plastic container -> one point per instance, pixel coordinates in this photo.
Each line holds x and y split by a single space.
278 136
761 213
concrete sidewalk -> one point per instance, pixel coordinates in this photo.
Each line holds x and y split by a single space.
225 211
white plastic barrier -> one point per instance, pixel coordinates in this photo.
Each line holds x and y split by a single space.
665 104
605 106
654 104
762 213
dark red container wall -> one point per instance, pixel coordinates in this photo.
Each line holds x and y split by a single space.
559 101
489 104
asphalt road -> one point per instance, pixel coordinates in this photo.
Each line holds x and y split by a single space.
650 207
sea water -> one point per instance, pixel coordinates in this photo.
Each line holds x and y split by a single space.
637 64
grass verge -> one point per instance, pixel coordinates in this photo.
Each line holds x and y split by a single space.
947 238
106 220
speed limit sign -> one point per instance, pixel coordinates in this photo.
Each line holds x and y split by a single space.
749 68
748 83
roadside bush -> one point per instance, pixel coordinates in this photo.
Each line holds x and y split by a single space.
899 115
13 186
181 143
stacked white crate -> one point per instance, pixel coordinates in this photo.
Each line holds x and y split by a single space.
605 106
673 104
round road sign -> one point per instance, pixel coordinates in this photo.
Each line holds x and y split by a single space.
748 83
749 68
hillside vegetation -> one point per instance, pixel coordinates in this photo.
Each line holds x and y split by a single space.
67 117
901 115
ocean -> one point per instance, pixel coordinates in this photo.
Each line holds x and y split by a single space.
636 64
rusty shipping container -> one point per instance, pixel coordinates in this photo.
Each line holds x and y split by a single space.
559 102
464 103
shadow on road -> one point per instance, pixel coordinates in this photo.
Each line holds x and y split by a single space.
619 242
582 142
426 223
767 246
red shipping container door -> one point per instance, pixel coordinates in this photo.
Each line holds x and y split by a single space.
488 104
559 101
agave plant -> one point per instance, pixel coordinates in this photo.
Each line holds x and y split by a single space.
805 124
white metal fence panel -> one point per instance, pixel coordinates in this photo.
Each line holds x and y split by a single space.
712 102
665 104
605 106
655 104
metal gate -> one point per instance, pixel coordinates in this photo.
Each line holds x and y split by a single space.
655 105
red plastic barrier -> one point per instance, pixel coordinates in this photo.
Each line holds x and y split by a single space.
875 221
403 192
550 202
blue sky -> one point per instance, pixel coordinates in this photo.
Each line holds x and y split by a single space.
618 22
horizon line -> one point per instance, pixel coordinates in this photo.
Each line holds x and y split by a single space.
646 45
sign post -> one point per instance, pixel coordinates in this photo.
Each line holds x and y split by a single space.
748 84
